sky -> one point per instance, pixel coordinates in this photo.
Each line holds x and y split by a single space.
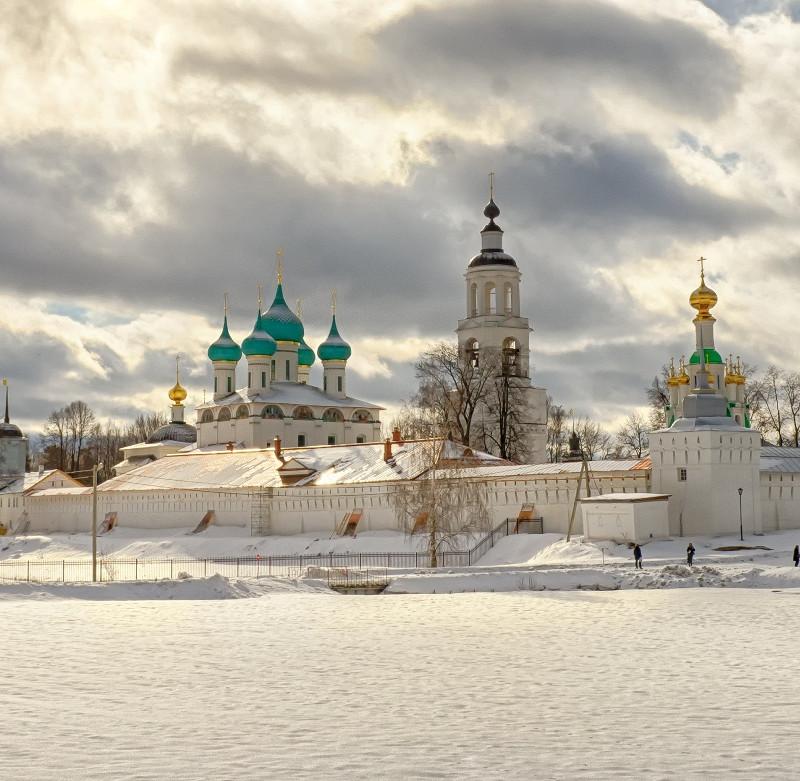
154 155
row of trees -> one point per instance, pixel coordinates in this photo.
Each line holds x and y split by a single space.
74 440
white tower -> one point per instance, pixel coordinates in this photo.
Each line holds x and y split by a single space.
494 334
705 459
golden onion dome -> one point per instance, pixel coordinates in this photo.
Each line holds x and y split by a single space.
177 394
704 298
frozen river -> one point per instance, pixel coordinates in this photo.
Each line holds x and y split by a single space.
661 684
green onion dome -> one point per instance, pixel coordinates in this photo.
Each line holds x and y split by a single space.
334 348
305 355
259 342
280 322
225 349
711 356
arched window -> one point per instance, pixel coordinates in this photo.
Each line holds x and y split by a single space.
224 414
303 413
473 300
332 416
490 299
507 303
207 416
472 353
242 412
272 412
362 416
510 356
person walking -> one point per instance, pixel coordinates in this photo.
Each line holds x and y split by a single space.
637 556
796 555
690 554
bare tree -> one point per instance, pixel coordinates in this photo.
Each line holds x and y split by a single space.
440 504
767 405
144 425
556 431
594 440
54 440
79 422
632 436
658 396
791 396
502 426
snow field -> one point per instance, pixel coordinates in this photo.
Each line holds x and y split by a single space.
662 684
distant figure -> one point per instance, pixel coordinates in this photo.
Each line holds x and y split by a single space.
796 555
637 556
690 554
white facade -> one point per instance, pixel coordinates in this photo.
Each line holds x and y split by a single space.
626 517
495 330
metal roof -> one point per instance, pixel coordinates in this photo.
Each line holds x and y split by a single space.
779 459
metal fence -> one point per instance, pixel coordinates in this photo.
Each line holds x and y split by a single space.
111 568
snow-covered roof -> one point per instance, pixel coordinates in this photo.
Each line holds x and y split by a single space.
16 484
510 471
291 393
625 498
779 459
309 466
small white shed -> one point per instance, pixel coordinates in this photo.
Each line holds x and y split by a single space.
626 517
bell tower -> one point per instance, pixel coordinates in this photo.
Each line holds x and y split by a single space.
495 336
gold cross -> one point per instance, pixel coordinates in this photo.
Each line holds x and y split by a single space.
259 298
225 299
702 260
299 311
178 369
280 264
333 296
491 185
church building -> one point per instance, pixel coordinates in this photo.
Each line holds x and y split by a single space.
276 400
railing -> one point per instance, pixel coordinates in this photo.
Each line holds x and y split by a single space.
123 569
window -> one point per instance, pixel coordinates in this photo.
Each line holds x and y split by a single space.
301 440
331 439
339 383
681 475
361 439
230 384
215 383
272 412
249 380
287 369
472 353
263 379
325 383
272 370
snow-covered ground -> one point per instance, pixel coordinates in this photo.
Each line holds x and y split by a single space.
690 683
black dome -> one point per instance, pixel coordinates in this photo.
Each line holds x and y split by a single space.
492 257
9 430
174 432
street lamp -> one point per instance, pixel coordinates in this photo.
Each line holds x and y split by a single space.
741 527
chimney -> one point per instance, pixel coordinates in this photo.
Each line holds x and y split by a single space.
387 450
229 447
276 444
396 434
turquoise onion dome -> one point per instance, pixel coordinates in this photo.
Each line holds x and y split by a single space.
334 348
259 342
280 322
225 349
305 355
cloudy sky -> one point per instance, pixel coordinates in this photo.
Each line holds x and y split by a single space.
156 154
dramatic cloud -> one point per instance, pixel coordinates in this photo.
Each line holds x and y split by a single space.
156 155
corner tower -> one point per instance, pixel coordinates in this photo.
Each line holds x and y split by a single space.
494 337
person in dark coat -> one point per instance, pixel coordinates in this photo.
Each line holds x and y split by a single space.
637 556
796 555
690 554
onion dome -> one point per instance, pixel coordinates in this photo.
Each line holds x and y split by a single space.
280 322
334 348
225 349
259 342
703 299
305 355
711 356
492 253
